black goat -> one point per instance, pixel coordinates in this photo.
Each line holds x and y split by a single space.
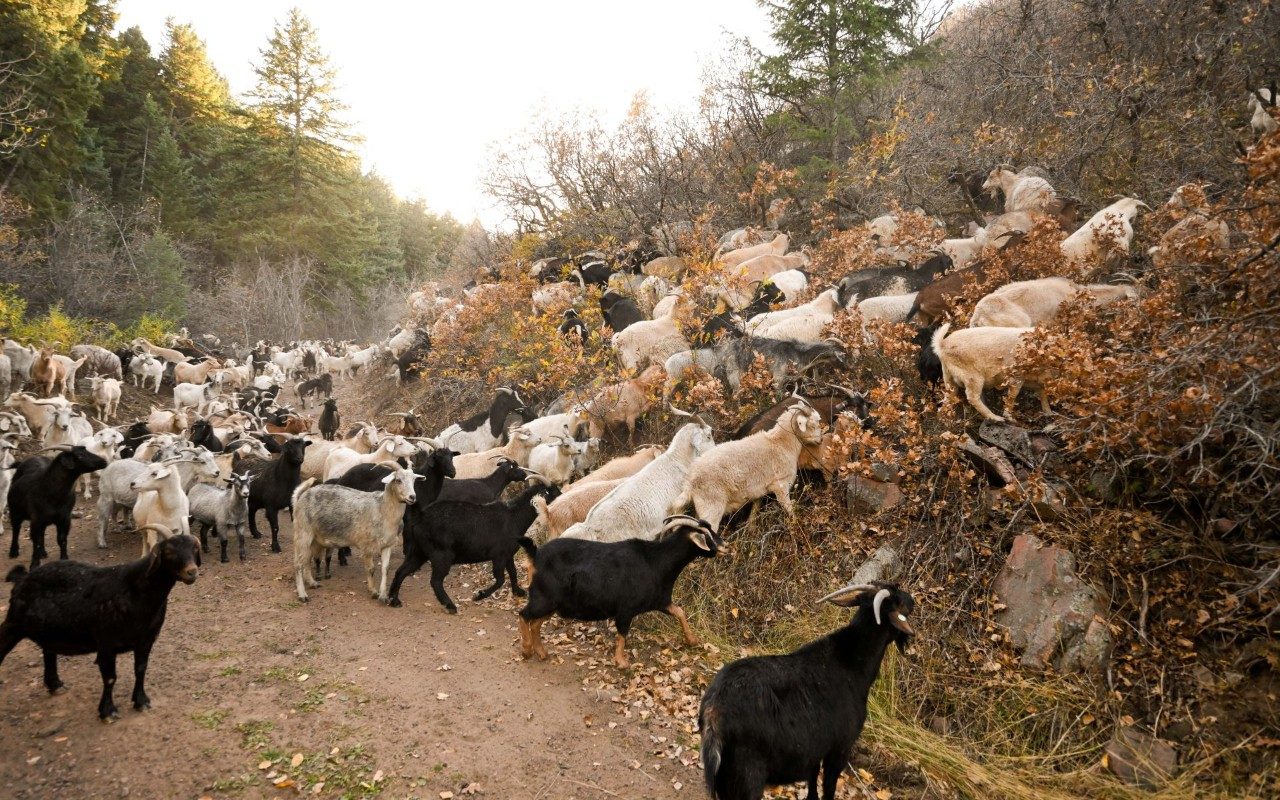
134 435
202 436
586 580
314 387
273 482
927 360
573 327
455 532
69 608
330 420
879 281
619 312
411 362
42 492
772 720
594 273
486 489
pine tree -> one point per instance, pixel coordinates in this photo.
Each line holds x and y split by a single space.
827 50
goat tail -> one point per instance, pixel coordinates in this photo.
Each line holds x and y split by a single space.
302 487
16 574
712 748
939 335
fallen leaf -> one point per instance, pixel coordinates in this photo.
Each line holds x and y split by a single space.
441 696
33 759
264 765
883 794
296 760
283 782
446 796
377 776
318 788
303 677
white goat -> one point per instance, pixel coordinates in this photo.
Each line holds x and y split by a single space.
792 283
1108 231
733 258
1026 304
147 368
106 396
478 465
341 459
636 507
649 342
803 323
1021 192
161 501
738 472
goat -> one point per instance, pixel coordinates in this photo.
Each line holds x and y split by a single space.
623 403
589 581
764 267
162 503
828 406
225 510
637 507
38 413
362 440
7 466
327 516
483 430
273 484
99 360
974 358
314 387
476 465
883 281
163 353
1026 304
164 421
735 258
21 358
1195 236
147 368
341 459
42 492
464 533
1021 192
805 320
648 342
669 268
738 472
330 420
623 466
71 608
106 396
573 328
569 508
772 720
619 312
195 373
1110 231
486 489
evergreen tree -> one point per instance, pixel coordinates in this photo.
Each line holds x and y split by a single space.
827 50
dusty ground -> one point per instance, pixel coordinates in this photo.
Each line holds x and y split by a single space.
373 701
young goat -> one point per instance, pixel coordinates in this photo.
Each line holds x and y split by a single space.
326 516
772 720
225 510
464 533
69 608
590 581
486 489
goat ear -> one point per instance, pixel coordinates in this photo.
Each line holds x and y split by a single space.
387 480
701 540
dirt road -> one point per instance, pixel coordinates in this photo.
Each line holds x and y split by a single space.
257 695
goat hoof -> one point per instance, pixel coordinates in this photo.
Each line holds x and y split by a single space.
102 546
518 592
451 609
145 705
225 560
110 717
275 548
59 689
394 602
13 552
304 599
256 535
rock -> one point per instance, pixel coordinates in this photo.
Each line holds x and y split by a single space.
1222 527
1042 444
868 494
1106 484
884 565
1048 503
991 461
1137 757
885 473
1051 615
1011 439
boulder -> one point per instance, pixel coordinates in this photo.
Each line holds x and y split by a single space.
884 565
870 495
1050 613
1137 757
991 461
1012 439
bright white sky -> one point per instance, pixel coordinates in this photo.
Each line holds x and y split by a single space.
431 85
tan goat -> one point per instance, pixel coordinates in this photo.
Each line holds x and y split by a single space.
1025 304
621 467
735 473
624 403
976 358
569 508
195 373
776 247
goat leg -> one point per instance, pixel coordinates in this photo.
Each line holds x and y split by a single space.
499 577
107 711
51 680
676 611
141 655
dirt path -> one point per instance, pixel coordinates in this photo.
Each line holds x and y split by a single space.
374 701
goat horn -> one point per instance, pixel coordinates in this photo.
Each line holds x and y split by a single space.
880 598
62 448
851 589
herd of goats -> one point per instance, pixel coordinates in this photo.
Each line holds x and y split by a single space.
604 541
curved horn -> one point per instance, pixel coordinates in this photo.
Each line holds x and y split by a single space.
848 590
880 598
62 448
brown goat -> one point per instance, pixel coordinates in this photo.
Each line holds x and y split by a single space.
624 403
293 425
